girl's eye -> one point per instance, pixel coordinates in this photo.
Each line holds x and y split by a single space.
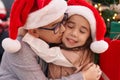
82 30
70 25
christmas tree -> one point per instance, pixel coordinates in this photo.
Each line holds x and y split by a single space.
109 10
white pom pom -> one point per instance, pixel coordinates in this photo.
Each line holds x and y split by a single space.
10 45
99 46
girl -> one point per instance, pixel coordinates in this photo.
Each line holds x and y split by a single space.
76 42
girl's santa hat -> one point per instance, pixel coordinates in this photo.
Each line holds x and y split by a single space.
97 24
31 14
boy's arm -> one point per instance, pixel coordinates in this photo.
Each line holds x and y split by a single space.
25 67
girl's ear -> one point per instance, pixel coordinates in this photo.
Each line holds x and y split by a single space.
34 32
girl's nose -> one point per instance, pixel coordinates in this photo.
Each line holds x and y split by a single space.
62 28
74 33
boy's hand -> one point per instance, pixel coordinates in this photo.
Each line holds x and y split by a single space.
92 73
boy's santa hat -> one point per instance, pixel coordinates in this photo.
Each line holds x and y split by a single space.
31 14
97 24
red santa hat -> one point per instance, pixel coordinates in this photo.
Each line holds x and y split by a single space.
97 24
31 14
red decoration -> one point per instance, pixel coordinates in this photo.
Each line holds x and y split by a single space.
110 60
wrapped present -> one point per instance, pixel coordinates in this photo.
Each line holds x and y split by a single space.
114 29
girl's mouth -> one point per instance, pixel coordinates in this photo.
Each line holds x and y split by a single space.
71 41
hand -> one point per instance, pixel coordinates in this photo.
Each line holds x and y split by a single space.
93 73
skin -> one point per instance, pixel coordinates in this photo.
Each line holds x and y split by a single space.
77 31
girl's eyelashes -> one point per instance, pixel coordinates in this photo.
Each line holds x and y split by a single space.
69 25
81 31
72 25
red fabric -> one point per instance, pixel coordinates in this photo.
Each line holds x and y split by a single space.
20 11
110 60
42 3
19 14
2 16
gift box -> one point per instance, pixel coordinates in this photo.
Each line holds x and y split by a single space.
114 30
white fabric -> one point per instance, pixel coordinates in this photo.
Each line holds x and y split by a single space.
86 13
99 46
50 55
7 42
54 10
2 8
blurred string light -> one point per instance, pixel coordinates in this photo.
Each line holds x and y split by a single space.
99 7
96 6
115 16
108 20
107 12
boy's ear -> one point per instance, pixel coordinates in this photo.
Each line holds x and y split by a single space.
33 32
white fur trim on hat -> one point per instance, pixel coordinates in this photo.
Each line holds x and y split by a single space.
51 12
11 45
99 46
